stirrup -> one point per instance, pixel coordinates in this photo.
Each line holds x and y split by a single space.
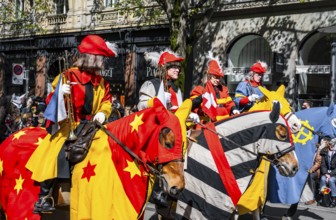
40 208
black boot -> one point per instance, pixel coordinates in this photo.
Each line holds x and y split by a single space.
333 202
45 203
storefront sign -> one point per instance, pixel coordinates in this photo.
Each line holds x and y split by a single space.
313 69
238 74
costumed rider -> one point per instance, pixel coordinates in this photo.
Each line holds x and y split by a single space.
224 103
90 99
247 92
168 66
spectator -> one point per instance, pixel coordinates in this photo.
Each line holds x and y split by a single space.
328 170
314 171
306 104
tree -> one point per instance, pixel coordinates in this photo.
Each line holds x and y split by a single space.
180 14
24 17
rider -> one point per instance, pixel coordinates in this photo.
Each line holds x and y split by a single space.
224 104
91 100
247 92
168 66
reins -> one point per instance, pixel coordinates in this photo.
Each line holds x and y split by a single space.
275 156
152 169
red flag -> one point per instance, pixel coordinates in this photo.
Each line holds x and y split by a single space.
209 104
18 191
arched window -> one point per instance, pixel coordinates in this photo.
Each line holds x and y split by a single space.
247 50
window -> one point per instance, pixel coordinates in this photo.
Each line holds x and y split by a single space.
111 3
19 7
61 6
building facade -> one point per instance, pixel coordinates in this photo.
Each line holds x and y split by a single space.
286 34
32 60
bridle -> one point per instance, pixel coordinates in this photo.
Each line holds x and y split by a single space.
155 170
272 158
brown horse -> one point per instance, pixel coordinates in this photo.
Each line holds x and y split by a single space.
109 183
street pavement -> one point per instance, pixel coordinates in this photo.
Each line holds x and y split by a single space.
275 212
272 212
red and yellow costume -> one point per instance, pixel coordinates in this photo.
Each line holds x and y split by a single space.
90 94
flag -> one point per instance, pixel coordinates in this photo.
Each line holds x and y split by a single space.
18 192
288 190
161 95
209 104
55 111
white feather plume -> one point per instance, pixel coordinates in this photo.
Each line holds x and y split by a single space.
210 57
113 47
263 64
152 57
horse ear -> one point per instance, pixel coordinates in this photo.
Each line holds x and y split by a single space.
274 115
281 90
265 91
331 108
160 111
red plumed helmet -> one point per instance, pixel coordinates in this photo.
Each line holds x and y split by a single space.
214 65
259 67
161 59
94 44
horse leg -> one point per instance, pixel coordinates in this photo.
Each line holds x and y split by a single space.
291 211
256 214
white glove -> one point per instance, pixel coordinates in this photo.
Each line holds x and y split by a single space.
253 97
235 112
66 88
167 97
100 117
194 117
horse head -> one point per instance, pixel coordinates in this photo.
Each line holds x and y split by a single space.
266 103
276 144
161 145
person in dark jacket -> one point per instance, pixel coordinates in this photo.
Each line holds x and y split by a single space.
328 170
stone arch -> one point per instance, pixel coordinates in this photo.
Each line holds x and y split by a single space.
315 49
246 49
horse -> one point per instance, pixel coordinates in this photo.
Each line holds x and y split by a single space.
250 202
220 164
317 122
265 103
114 181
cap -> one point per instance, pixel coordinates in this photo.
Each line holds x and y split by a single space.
94 44
161 59
214 65
259 67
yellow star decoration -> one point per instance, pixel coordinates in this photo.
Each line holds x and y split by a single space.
39 140
19 134
136 122
1 167
133 168
18 185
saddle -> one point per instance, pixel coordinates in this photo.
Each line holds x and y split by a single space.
76 150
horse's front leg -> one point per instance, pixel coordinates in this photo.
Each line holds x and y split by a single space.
256 214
